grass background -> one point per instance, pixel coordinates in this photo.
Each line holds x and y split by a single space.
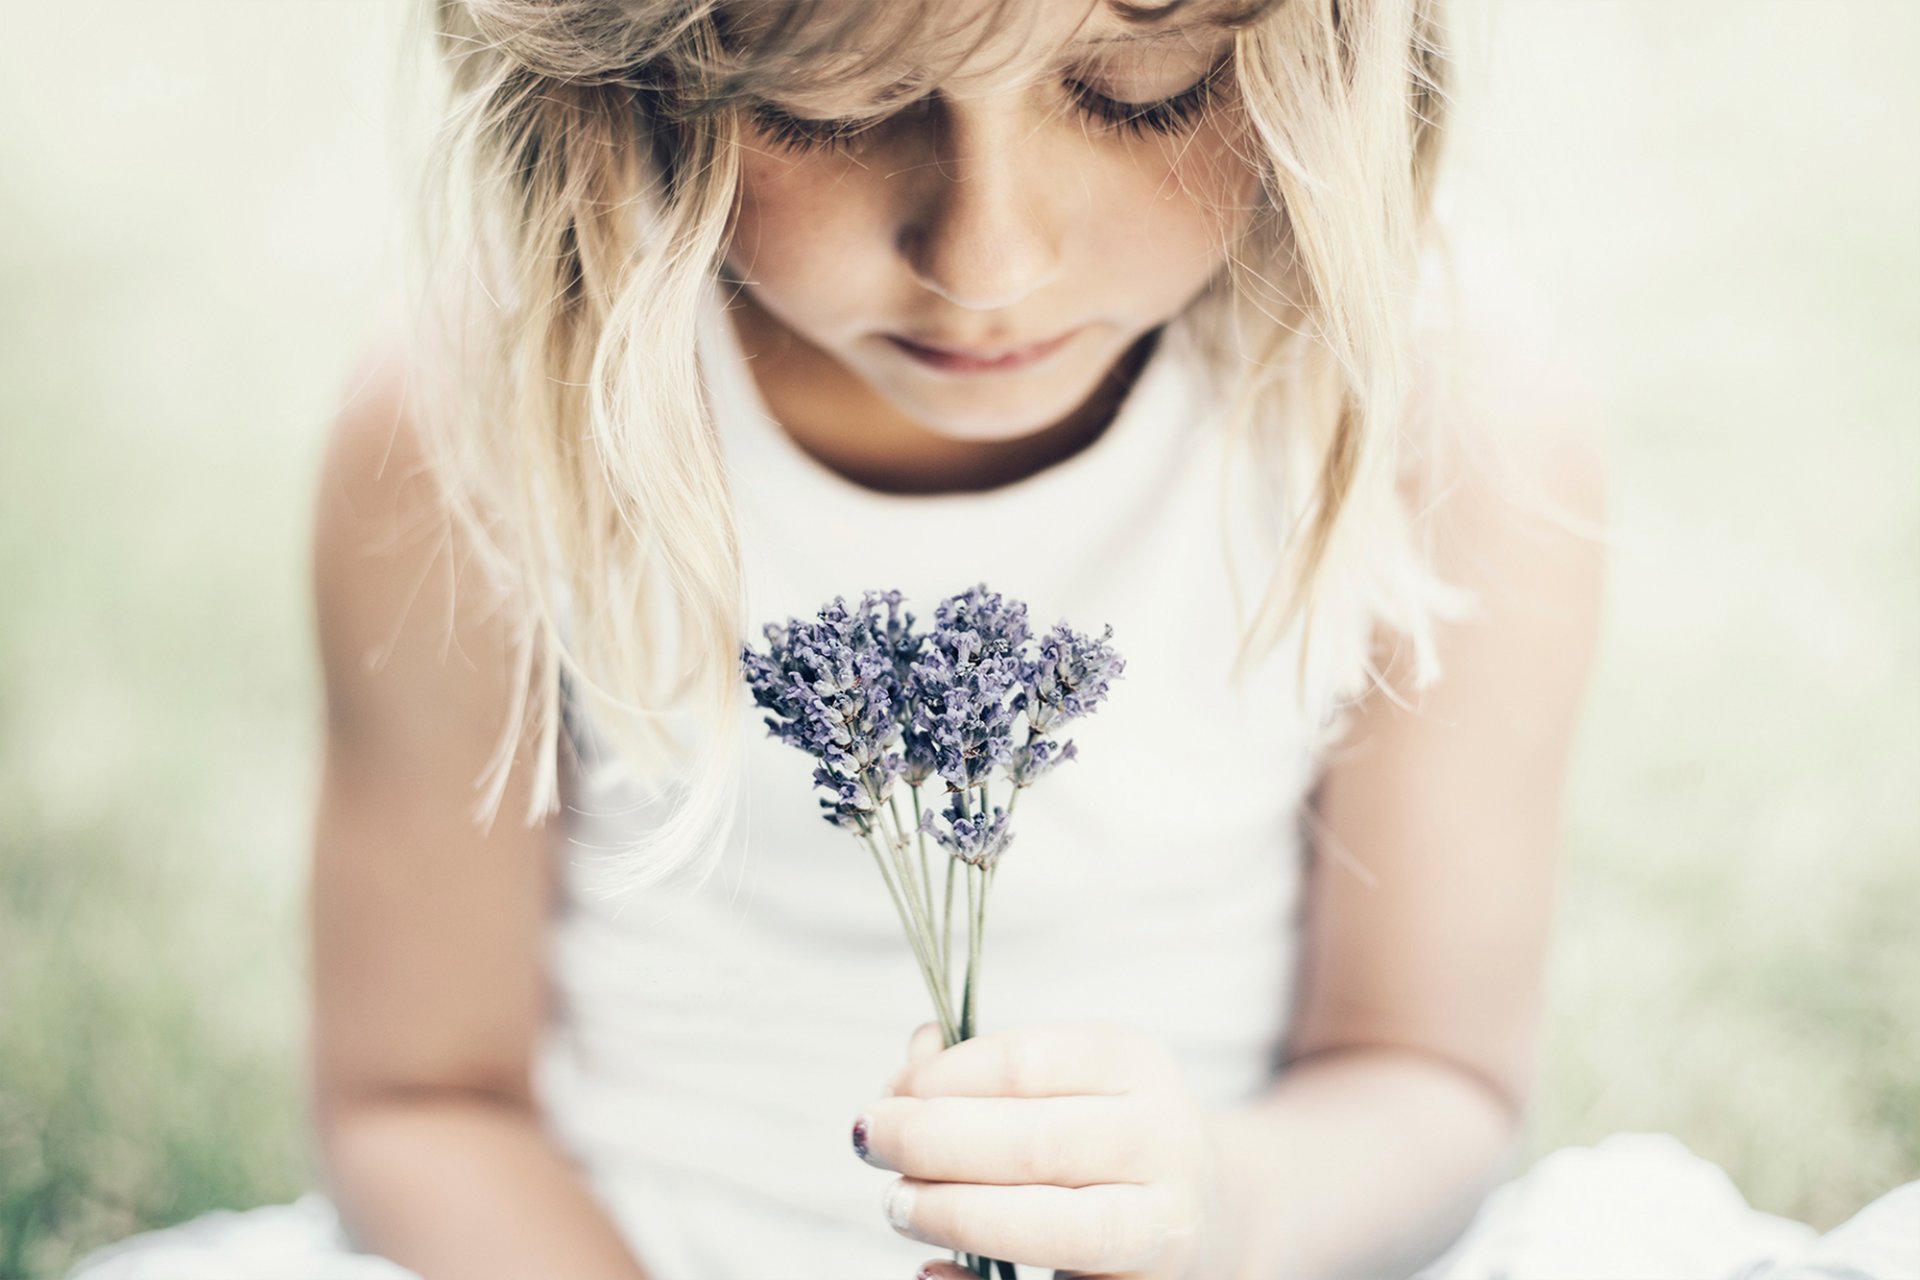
200 205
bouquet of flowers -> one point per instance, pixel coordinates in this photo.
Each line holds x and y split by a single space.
878 704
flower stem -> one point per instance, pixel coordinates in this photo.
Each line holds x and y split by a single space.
966 1003
946 925
946 928
921 902
896 850
974 948
942 1009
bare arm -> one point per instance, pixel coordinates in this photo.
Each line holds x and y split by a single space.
426 932
1413 1045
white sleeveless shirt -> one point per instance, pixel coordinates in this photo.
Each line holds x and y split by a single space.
709 1049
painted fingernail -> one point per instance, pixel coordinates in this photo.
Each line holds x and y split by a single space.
899 1204
860 1137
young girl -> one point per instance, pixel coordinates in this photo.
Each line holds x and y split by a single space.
1139 313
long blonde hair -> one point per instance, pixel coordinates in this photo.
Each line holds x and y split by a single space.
582 174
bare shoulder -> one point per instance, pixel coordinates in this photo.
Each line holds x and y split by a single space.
1515 498
1509 416
409 633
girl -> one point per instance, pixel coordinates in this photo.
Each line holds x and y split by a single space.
1138 312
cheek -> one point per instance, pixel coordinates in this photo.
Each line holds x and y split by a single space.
1184 200
807 233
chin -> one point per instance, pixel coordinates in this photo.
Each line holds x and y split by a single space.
987 410
983 416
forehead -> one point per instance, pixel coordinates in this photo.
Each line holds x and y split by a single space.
967 47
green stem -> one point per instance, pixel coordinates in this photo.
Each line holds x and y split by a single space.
896 850
926 874
926 881
974 949
922 906
942 1008
946 928
966 1003
917 897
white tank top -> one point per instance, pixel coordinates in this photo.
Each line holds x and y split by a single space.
710 1050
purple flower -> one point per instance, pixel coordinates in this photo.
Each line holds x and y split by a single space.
975 838
1036 758
1069 679
874 701
958 692
834 687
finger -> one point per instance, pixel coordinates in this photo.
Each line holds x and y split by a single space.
1072 1141
1108 1227
1036 1061
926 1041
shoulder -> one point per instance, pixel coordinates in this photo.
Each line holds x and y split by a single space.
412 641
373 505
1506 415
1509 477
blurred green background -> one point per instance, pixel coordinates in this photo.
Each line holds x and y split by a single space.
200 204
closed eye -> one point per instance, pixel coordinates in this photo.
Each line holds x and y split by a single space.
1165 116
1168 115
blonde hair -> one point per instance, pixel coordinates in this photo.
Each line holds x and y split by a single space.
582 176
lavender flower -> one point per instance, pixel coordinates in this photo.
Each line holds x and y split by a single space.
1069 679
975 839
958 691
1037 757
834 687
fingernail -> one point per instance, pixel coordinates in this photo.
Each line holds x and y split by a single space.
924 1273
860 1137
899 1204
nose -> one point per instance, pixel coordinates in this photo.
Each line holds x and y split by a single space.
980 231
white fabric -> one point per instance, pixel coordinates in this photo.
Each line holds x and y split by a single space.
712 1044
1635 1207
298 1241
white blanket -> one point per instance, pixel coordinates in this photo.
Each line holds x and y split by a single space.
1637 1206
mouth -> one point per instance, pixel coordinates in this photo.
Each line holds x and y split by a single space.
958 358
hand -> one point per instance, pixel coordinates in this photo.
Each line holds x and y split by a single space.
1072 1145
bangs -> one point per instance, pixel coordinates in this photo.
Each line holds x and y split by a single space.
889 52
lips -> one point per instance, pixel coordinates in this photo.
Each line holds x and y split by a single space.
961 357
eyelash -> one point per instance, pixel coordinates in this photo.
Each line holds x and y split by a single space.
1169 115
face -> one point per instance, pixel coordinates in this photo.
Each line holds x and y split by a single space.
1075 199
